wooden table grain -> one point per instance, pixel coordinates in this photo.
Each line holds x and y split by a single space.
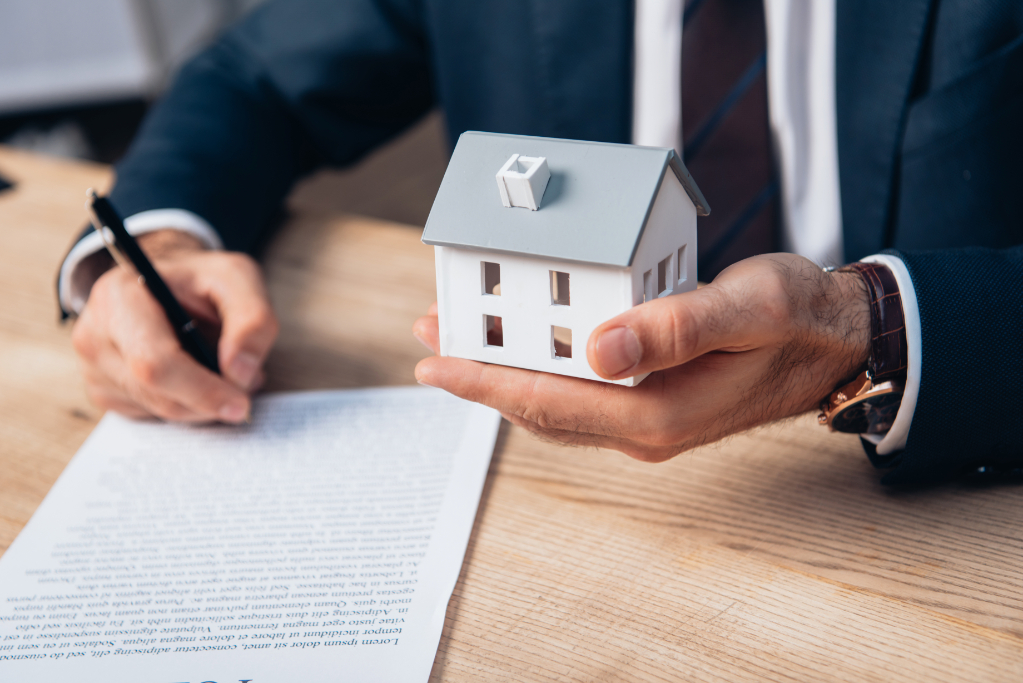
775 555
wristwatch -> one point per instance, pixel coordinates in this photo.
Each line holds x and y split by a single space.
868 404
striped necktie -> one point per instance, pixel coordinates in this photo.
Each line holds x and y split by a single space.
726 141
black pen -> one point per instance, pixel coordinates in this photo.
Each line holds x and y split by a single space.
124 249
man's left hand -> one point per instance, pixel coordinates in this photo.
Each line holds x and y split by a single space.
768 338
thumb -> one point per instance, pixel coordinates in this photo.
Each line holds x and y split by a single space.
666 332
248 324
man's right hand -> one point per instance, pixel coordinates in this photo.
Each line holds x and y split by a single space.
131 358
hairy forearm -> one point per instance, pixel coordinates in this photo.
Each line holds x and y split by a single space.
835 330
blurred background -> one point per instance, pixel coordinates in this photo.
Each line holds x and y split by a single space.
77 77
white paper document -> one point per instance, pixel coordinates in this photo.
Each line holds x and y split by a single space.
319 543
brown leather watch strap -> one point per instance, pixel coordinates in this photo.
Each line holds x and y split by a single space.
888 355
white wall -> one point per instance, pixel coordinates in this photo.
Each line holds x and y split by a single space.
672 224
73 52
597 294
54 52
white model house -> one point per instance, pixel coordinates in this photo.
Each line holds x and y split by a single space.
538 241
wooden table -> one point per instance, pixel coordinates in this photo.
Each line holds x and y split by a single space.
775 555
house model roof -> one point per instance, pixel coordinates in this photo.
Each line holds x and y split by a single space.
594 208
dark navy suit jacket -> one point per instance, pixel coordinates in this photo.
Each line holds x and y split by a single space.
930 141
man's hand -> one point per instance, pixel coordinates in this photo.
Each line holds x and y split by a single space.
131 358
769 338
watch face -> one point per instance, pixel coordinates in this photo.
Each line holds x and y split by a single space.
869 415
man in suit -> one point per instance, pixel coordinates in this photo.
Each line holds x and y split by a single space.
924 148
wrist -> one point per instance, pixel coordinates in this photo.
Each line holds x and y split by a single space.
846 323
168 242
887 359
870 403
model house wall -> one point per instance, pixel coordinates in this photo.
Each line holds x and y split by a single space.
670 233
525 307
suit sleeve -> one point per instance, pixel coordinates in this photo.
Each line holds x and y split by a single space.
971 317
296 85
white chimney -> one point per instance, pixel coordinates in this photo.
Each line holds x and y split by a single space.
522 181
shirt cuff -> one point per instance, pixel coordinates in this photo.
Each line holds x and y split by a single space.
895 439
76 275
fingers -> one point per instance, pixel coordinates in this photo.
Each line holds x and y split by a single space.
110 386
550 401
249 326
656 335
742 313
153 368
110 396
132 360
426 331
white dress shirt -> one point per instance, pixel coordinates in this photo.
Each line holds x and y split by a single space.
801 108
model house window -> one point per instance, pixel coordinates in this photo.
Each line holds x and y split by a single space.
664 279
560 295
648 286
561 342
491 278
493 331
681 267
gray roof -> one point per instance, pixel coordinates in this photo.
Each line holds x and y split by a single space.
594 209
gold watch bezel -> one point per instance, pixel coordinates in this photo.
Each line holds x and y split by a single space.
858 391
